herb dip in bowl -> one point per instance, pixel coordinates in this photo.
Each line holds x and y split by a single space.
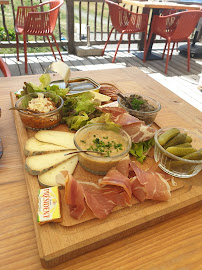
142 107
110 142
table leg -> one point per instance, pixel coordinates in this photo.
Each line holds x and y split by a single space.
150 55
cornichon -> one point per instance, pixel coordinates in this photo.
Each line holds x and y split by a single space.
178 139
184 145
188 139
194 156
180 151
168 135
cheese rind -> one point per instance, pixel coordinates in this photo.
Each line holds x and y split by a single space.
35 147
62 138
49 178
39 164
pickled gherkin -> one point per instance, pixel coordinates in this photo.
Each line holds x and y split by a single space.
188 139
184 145
180 151
178 139
194 156
168 135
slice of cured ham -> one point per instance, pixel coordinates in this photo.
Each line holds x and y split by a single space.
115 178
152 184
136 128
145 184
100 200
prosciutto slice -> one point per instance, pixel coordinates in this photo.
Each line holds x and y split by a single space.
136 128
115 178
100 200
145 184
149 185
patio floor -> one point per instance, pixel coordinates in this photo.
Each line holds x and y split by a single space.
178 80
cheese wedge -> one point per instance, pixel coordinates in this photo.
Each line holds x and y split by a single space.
39 164
48 178
62 69
101 97
62 138
35 147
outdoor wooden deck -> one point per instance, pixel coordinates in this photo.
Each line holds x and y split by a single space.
178 80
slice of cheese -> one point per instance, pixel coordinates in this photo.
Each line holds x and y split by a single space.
48 178
35 147
62 69
101 97
36 165
62 138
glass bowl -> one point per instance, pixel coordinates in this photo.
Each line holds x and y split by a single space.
112 143
174 165
147 116
38 121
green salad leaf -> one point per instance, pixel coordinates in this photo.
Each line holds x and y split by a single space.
140 149
45 80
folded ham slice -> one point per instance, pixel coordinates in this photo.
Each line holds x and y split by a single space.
136 128
145 184
100 200
115 178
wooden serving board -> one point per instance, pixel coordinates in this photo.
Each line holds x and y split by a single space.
60 242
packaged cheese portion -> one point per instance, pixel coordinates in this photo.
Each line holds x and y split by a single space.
61 138
35 147
49 178
39 164
101 97
49 205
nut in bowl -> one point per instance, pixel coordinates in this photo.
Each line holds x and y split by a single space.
111 143
41 110
178 151
142 107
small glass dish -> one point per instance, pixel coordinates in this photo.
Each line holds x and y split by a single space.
38 121
147 116
174 165
93 137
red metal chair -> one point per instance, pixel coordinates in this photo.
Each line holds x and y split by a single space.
125 22
32 20
174 28
4 68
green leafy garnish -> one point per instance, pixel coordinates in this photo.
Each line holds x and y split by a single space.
136 103
140 149
45 80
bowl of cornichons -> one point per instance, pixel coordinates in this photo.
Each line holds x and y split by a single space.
178 151
143 107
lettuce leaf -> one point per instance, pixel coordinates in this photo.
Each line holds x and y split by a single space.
139 150
77 121
104 118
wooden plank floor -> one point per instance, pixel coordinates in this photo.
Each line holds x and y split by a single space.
178 80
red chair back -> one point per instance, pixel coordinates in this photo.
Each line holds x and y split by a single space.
125 20
4 68
178 26
34 21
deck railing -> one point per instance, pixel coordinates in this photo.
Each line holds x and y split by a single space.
71 28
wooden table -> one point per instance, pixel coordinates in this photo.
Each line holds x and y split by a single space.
156 7
4 2
175 243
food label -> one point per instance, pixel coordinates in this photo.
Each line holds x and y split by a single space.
49 205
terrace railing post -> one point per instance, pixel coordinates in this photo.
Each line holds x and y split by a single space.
70 25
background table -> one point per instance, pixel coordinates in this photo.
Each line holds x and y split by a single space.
4 2
172 244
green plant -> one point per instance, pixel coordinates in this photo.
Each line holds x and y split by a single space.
3 35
